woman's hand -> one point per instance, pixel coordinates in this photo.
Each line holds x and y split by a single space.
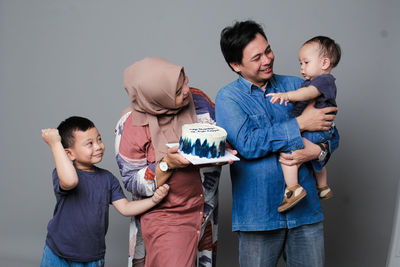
174 159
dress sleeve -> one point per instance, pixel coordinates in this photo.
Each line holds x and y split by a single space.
135 158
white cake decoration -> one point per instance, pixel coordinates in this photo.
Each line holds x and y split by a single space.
203 140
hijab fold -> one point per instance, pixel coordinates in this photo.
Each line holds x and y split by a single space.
151 84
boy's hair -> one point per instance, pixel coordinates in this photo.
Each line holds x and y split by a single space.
328 48
68 126
235 38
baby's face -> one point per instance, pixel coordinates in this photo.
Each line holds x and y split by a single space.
311 63
88 149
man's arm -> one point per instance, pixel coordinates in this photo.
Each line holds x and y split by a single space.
65 169
316 119
309 122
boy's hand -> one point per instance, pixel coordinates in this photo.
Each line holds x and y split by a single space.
51 136
160 193
279 97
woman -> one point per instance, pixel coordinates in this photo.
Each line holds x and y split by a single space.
181 230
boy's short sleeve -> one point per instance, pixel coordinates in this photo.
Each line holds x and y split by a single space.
56 185
325 85
116 190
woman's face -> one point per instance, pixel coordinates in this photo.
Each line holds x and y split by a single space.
182 91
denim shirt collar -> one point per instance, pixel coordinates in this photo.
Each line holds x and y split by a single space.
249 86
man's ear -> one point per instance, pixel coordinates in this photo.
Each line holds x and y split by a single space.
235 66
70 154
326 63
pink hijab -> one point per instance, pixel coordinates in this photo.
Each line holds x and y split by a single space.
151 84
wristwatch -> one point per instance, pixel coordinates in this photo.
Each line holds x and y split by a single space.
324 152
163 166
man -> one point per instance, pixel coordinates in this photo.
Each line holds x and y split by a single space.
260 131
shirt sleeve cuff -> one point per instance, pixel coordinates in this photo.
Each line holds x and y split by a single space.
294 140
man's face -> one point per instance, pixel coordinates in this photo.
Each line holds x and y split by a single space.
257 61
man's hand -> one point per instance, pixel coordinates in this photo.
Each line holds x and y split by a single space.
160 193
51 136
298 157
316 119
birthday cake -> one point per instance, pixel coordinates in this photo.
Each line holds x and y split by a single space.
203 140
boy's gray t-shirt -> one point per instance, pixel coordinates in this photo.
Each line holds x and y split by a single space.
80 220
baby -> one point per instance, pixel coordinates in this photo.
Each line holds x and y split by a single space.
318 56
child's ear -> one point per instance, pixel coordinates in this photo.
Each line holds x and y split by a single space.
70 154
326 63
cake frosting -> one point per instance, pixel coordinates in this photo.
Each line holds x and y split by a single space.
203 140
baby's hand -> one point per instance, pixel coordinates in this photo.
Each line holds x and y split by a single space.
51 136
279 97
160 193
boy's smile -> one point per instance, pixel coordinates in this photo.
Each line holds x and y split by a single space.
88 149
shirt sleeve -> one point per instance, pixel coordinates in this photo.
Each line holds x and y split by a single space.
132 152
255 136
58 191
325 85
116 190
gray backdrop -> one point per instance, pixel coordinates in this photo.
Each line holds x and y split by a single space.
62 58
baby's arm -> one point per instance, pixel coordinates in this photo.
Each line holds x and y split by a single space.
133 208
301 94
65 169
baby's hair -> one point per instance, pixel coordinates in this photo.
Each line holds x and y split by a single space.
328 48
68 126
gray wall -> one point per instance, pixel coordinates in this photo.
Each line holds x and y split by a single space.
62 58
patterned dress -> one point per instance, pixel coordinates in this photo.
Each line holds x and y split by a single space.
136 160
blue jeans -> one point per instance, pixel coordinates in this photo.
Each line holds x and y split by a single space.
49 259
300 246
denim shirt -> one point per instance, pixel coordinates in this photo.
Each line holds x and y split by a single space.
259 131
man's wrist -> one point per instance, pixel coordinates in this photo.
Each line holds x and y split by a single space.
300 123
324 152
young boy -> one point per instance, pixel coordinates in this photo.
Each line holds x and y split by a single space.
76 233
318 56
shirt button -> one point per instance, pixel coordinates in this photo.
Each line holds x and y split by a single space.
201 195
198 231
201 213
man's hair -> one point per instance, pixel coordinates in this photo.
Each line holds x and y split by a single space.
235 38
328 48
68 126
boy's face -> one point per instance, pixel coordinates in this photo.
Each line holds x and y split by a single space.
87 150
257 61
311 63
